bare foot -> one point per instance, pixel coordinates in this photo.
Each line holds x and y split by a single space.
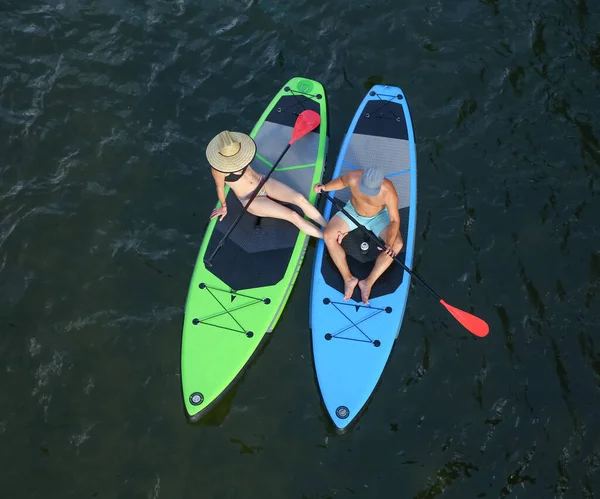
365 291
349 285
341 236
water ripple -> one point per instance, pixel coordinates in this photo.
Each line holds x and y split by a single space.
105 111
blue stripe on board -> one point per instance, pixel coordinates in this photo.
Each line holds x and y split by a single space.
398 173
387 176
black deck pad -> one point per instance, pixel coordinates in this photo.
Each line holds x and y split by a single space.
288 108
258 250
376 117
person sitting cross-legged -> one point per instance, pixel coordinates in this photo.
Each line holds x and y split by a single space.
374 204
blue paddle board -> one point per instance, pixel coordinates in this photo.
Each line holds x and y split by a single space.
352 341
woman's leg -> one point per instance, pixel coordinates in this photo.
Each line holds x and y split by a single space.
265 207
281 192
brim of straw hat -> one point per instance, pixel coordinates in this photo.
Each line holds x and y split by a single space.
228 164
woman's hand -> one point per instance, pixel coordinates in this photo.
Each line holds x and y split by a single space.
318 188
219 212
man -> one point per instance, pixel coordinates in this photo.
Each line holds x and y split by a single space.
374 204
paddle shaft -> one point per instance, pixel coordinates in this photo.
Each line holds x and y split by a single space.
222 241
381 244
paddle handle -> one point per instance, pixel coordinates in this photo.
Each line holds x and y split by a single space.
381 243
208 262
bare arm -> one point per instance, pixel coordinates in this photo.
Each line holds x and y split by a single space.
334 185
220 185
391 203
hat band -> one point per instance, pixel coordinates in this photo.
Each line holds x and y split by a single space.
224 151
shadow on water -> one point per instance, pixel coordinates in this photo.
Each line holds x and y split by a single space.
217 414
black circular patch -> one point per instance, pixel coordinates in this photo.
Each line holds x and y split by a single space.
201 285
195 322
376 343
342 412
319 96
266 301
388 310
400 97
326 301
249 334
371 93
328 336
287 89
196 398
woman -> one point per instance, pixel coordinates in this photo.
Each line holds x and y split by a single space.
229 155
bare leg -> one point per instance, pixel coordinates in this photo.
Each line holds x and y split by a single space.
336 226
281 192
381 264
265 207
341 236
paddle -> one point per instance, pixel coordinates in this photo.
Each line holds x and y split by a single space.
306 122
474 324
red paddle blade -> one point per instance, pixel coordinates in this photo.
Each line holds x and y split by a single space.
307 121
474 324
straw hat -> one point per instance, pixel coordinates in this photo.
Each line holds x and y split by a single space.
230 151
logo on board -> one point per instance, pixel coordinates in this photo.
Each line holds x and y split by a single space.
305 86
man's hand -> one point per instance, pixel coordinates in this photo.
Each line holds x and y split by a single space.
388 249
318 188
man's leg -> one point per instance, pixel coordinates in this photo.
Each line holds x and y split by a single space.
336 226
381 265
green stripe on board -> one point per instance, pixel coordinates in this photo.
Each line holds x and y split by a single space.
295 167
264 160
284 168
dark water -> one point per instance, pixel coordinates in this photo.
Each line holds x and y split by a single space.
105 110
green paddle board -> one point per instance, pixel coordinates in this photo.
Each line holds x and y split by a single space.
232 305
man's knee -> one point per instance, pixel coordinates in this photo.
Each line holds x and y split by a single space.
330 234
397 246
